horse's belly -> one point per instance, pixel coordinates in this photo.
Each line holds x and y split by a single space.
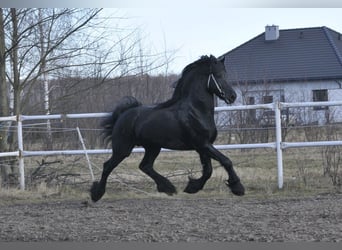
163 139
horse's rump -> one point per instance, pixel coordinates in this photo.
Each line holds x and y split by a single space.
123 105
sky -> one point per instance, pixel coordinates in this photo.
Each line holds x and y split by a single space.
192 32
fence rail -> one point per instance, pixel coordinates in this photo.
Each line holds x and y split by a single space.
278 144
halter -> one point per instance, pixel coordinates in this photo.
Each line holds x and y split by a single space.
217 85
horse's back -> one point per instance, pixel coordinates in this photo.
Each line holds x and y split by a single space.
159 128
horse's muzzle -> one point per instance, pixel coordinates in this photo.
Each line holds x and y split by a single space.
229 99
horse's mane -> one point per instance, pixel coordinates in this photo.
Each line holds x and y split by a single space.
177 94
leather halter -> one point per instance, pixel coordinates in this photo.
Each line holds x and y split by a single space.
217 85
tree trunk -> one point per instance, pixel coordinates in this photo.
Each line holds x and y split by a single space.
12 173
4 109
43 68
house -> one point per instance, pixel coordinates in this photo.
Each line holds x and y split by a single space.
290 65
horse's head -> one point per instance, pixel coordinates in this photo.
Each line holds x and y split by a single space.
217 81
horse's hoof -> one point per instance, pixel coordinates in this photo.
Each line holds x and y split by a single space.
236 187
190 190
192 187
96 192
168 189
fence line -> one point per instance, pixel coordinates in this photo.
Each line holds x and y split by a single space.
278 144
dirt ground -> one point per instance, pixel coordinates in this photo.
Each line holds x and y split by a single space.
317 218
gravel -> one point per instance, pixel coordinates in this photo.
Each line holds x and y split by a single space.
317 218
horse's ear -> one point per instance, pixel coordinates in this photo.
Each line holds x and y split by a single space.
222 59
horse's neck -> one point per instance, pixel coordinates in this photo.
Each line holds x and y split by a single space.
203 102
197 112
198 98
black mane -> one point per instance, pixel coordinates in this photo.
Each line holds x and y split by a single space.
177 94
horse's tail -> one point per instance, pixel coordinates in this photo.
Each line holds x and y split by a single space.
124 104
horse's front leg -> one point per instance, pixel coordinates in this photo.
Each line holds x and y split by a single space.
234 181
195 185
146 165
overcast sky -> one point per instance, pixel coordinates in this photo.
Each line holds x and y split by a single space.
199 31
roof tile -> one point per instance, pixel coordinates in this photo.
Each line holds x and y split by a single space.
298 54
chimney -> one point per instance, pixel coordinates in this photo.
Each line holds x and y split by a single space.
271 33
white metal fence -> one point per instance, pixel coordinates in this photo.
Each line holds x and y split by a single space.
278 144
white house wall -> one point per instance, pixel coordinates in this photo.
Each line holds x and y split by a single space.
336 112
293 92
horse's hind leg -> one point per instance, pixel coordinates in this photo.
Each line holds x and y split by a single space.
146 165
195 185
98 188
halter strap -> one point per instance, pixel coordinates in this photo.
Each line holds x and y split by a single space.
217 85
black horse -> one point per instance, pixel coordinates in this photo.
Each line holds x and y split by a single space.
185 122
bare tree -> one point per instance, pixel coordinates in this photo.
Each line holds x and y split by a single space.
31 57
41 45
4 102
44 46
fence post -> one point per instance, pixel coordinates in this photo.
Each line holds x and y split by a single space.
21 150
277 109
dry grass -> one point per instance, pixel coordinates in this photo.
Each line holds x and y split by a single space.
69 178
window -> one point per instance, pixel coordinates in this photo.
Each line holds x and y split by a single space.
267 99
320 95
282 98
250 100
251 114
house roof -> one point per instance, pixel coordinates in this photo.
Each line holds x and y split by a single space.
298 54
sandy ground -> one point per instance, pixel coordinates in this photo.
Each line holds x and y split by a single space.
317 218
